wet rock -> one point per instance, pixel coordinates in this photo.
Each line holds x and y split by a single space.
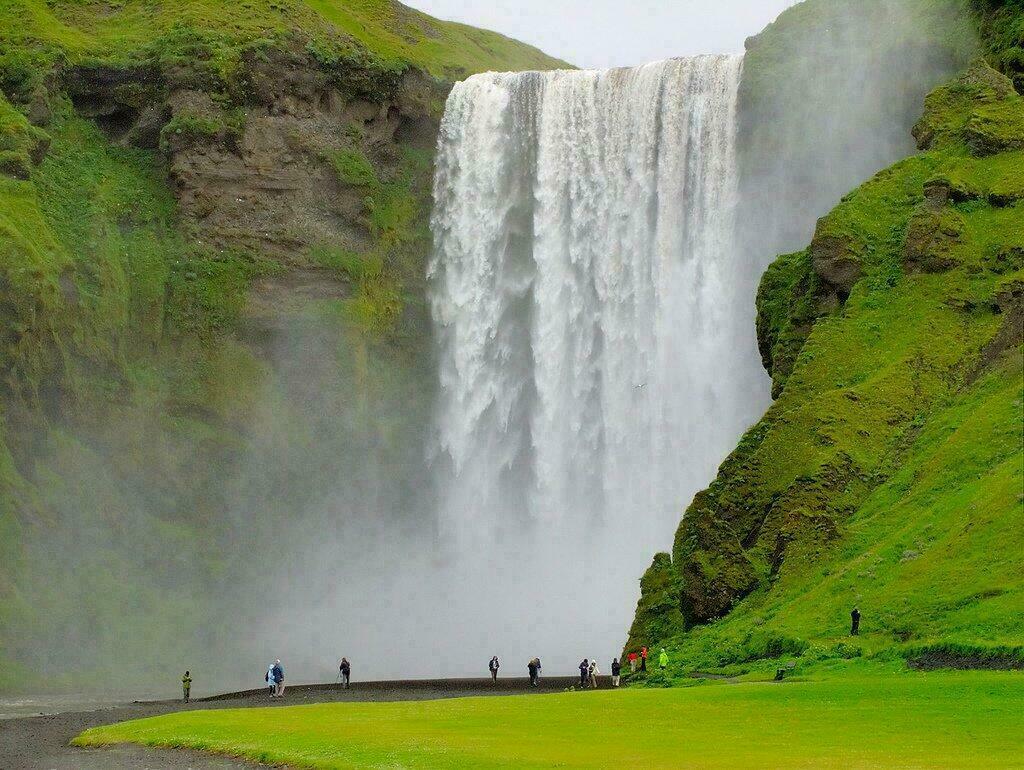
949 109
38 110
835 262
933 234
996 128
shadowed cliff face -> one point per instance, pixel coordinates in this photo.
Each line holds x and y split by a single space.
239 387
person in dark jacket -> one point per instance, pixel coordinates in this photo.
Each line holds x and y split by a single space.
616 670
345 668
493 667
855 622
532 668
279 679
186 686
643 658
584 672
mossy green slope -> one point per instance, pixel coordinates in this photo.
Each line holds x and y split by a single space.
35 34
889 472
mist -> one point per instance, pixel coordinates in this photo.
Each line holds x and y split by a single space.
396 506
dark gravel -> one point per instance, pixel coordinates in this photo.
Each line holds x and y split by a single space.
41 743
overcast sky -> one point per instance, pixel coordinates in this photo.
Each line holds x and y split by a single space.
614 33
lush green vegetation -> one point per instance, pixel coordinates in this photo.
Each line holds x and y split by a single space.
888 474
369 34
1003 31
862 719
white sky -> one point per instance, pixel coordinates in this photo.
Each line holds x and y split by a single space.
613 33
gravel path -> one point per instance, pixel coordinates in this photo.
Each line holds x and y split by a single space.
41 743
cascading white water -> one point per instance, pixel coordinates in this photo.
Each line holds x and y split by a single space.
597 357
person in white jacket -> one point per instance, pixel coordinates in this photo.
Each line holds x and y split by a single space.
271 681
594 673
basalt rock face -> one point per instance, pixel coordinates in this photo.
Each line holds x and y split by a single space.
253 169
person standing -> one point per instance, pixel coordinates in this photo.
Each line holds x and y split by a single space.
493 667
271 681
584 672
346 671
855 622
538 670
532 668
616 670
186 686
593 673
663 659
632 662
643 658
279 679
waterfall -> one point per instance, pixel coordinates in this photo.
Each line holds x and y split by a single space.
596 354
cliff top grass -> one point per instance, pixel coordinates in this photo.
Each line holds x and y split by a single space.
863 719
35 34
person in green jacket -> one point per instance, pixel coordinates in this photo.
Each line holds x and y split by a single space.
663 659
186 686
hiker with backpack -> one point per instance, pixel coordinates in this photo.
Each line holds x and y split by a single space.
278 679
531 667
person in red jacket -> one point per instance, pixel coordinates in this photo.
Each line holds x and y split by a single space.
643 658
632 662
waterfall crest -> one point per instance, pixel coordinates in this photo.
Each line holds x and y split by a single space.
596 346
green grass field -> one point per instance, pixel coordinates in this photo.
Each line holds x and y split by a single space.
856 719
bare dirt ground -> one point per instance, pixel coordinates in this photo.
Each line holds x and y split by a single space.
41 742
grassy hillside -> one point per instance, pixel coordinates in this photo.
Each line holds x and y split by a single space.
889 472
34 34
